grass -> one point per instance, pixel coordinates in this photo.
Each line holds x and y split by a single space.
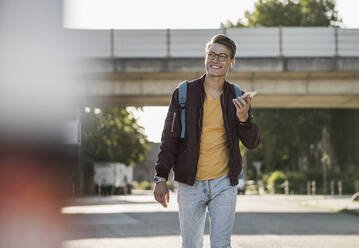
350 212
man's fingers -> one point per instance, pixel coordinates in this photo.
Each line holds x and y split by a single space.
239 105
167 197
160 197
248 99
163 200
236 104
161 193
242 101
156 197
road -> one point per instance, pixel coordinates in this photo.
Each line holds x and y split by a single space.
261 221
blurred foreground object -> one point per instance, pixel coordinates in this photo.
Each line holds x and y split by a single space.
33 188
36 99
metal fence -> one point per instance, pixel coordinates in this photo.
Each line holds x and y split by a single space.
252 42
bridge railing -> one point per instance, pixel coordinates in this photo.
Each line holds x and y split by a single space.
251 42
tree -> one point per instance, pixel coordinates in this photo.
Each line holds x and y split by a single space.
288 135
272 13
113 135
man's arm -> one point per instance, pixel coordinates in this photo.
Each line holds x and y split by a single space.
247 129
168 150
170 138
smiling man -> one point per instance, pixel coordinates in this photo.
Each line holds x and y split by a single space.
207 161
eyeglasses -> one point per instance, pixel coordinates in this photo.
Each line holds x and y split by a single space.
222 57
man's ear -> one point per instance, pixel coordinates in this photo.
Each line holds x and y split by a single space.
233 62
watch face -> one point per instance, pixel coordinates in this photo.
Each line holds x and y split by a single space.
157 179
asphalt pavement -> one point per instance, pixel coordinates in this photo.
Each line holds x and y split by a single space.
265 221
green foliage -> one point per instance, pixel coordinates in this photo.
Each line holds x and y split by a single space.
277 177
242 148
230 24
298 181
251 188
272 13
319 13
286 135
145 185
113 135
345 136
135 185
275 182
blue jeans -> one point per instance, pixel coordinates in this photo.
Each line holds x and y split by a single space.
220 197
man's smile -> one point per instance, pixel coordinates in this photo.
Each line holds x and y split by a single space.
215 66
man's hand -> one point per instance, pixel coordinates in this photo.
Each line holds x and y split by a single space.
242 106
161 193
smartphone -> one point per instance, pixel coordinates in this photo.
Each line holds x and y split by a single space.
251 94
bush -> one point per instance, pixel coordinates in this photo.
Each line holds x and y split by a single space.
297 182
145 185
135 185
275 182
251 187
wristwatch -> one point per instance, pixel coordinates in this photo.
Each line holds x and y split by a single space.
158 179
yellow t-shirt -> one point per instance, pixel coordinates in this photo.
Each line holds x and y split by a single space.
213 156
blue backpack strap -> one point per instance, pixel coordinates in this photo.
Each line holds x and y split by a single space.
237 90
182 97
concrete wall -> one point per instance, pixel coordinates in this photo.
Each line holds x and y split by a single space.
252 42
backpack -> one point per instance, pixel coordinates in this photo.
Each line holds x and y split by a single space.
182 97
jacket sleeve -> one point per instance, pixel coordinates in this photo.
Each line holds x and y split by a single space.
170 139
248 131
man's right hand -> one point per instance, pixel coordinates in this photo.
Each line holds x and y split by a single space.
161 193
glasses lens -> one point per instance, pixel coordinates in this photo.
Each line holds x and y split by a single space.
212 56
221 57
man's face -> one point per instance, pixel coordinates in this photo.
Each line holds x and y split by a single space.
218 60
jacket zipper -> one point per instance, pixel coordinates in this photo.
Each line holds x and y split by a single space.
228 138
173 121
200 121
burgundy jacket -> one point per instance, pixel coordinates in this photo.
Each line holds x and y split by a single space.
182 154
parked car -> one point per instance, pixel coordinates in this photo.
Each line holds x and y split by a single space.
241 186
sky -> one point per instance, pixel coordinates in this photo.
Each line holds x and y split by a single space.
163 14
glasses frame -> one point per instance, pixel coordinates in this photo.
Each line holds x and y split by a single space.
210 57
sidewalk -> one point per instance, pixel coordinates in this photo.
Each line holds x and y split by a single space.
329 203
332 203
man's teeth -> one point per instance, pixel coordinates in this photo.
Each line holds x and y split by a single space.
215 67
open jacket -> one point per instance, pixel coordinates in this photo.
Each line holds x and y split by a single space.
182 154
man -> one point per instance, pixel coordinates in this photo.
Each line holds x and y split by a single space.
207 161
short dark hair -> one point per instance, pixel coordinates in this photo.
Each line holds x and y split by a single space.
225 41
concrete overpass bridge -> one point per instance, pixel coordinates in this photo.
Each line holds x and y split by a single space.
288 67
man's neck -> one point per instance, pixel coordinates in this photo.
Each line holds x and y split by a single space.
214 83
